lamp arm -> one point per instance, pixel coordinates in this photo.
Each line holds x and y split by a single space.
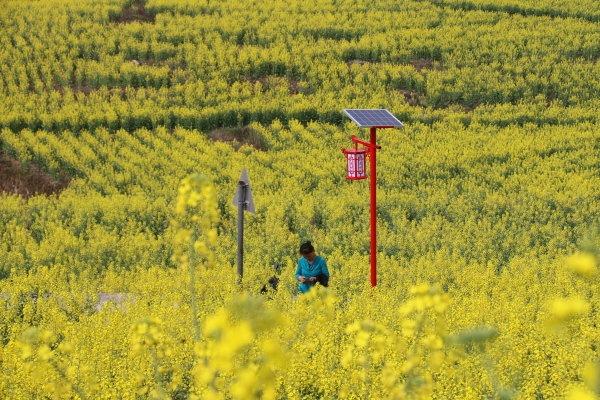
366 144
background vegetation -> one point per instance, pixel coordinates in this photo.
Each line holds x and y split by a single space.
115 283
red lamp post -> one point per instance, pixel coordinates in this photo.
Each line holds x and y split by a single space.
371 119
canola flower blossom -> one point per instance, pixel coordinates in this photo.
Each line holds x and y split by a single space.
583 264
138 117
248 347
564 310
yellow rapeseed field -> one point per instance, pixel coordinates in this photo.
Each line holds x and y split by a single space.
125 124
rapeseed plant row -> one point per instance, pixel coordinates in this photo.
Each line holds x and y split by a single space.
69 65
185 336
501 314
122 286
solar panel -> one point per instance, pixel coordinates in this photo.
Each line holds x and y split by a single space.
378 118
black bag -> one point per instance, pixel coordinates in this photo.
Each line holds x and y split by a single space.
273 282
323 279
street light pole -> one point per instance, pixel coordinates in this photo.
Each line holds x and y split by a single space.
372 146
373 119
373 184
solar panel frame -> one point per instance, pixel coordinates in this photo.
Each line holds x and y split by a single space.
373 118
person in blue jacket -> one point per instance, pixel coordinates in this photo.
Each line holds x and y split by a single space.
311 268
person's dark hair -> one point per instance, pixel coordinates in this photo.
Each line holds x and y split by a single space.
306 248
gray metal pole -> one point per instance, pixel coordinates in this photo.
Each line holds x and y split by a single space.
241 208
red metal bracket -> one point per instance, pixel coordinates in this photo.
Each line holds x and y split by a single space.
366 144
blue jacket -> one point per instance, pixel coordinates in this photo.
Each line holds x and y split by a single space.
318 267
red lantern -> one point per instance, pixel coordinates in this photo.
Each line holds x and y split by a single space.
355 159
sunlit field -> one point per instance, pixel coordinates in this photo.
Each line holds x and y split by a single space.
125 125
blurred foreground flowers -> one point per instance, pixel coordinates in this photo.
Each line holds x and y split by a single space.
193 332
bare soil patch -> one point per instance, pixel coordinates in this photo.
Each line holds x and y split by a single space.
295 87
424 63
412 98
238 137
358 61
28 180
150 62
264 80
85 89
135 11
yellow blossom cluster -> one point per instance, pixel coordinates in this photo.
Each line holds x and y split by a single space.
180 333
117 277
